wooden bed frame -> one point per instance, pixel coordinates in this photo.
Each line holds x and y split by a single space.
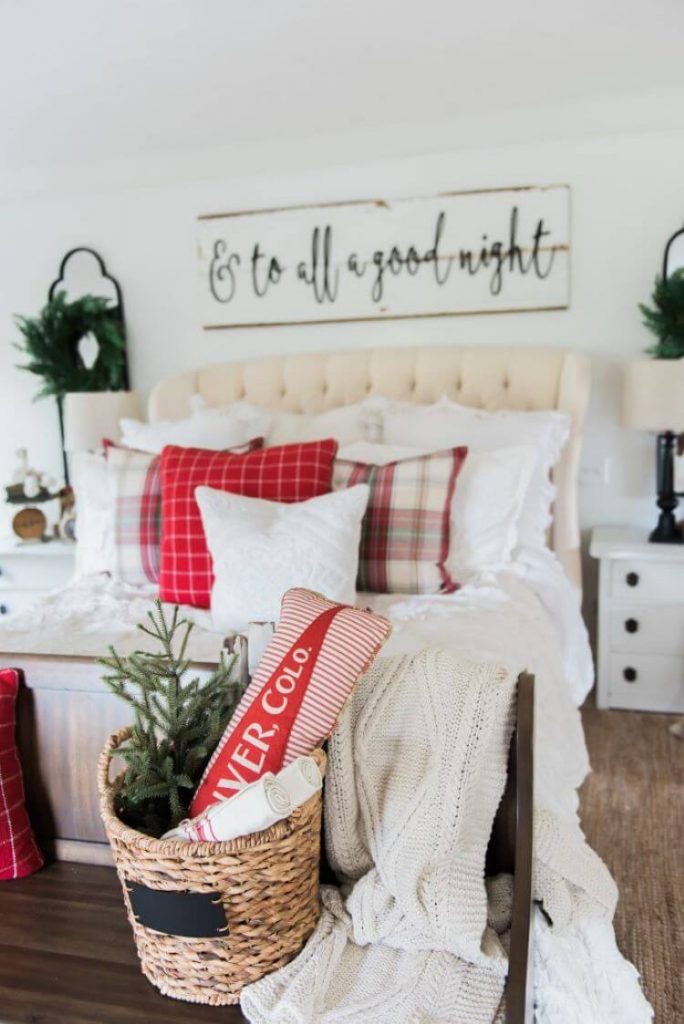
511 849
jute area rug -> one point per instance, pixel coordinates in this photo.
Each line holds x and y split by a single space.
633 815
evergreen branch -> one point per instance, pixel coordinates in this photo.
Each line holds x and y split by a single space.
177 724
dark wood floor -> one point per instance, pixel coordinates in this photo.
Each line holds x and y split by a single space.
67 956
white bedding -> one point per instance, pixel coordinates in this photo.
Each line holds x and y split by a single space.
87 616
96 609
527 617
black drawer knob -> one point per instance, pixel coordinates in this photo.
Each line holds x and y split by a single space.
631 625
3 609
632 578
630 674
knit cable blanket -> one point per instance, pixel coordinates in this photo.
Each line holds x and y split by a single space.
417 769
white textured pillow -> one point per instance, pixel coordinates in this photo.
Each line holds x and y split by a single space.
262 548
486 506
214 428
94 513
346 424
447 423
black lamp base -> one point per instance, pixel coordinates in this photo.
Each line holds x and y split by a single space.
667 531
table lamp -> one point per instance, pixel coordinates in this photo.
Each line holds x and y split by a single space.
653 399
90 416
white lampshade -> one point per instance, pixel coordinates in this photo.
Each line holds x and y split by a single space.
90 416
653 395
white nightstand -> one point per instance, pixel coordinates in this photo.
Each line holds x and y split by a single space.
641 621
29 570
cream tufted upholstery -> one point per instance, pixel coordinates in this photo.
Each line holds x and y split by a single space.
484 377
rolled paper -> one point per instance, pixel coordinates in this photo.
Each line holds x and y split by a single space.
252 809
302 778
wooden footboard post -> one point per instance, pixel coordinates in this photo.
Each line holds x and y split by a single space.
519 988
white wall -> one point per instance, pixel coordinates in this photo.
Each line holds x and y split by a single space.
626 200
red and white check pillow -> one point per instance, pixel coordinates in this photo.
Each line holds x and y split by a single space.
135 483
406 529
19 854
293 472
305 676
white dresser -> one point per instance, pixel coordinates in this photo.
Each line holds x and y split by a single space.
29 570
641 621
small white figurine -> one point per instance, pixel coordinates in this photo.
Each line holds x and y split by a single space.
31 484
19 474
31 481
49 482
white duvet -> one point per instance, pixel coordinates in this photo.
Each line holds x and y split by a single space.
528 618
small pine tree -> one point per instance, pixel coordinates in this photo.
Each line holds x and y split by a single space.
666 320
176 727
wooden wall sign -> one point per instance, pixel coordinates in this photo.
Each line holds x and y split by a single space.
488 251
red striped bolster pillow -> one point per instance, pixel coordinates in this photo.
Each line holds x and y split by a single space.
307 672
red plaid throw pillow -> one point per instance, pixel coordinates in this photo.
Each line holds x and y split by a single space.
136 489
19 854
405 532
291 472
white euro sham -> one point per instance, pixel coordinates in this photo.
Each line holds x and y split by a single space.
215 428
447 423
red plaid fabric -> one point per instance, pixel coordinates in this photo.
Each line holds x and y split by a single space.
19 854
292 472
136 488
405 532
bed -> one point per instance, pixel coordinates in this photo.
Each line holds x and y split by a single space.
528 619
66 698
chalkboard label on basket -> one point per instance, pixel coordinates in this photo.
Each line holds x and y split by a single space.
197 915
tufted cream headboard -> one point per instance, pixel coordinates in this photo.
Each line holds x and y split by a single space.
484 377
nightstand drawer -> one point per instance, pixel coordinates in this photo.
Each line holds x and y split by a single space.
640 580
647 628
12 601
652 682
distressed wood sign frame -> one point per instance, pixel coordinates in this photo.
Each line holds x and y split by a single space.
456 253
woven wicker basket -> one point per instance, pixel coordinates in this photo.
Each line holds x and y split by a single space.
268 884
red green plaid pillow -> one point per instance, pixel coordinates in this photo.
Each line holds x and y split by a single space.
135 482
405 533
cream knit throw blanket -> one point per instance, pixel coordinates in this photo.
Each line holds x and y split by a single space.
417 769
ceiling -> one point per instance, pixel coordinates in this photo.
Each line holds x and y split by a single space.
102 80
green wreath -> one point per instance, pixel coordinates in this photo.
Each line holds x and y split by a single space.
666 319
51 341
